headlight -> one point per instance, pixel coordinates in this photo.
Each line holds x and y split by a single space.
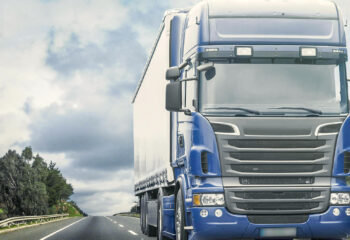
340 199
308 52
208 199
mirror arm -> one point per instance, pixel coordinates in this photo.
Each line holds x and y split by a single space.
189 79
185 63
186 111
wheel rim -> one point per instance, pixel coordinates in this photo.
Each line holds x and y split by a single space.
178 223
160 226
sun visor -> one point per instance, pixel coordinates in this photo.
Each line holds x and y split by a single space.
274 31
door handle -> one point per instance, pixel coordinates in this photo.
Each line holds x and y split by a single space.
181 141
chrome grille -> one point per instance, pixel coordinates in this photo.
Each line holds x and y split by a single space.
268 143
276 165
277 200
278 156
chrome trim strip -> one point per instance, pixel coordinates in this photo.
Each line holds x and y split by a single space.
323 125
235 129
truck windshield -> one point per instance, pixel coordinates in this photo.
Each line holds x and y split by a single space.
272 89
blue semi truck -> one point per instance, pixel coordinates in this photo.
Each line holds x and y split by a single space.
241 127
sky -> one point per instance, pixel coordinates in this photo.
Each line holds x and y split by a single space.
68 72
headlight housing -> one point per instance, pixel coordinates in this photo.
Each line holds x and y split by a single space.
208 199
340 199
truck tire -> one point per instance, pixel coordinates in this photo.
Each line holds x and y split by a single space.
180 217
160 216
142 213
150 231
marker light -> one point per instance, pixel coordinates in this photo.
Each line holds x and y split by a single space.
211 49
208 199
203 213
340 199
308 52
347 211
218 213
197 200
336 211
244 51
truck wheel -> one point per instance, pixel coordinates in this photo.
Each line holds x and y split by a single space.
160 216
149 230
180 217
142 213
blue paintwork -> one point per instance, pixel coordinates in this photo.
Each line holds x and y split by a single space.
330 30
273 48
238 226
339 182
199 136
168 216
203 139
230 226
176 39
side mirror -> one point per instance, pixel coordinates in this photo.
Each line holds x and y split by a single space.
173 96
172 73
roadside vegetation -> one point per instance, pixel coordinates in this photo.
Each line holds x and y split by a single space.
30 186
134 212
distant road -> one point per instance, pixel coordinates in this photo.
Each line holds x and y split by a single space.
88 228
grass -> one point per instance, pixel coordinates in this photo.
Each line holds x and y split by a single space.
65 207
73 212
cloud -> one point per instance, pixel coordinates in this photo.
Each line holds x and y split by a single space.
106 203
88 137
102 193
119 50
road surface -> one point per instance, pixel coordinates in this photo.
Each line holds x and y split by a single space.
87 228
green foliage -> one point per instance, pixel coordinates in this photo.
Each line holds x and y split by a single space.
67 207
76 211
27 153
30 188
57 187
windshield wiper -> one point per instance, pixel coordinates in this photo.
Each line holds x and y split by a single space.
234 108
314 111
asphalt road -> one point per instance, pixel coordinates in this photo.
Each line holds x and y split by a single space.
88 228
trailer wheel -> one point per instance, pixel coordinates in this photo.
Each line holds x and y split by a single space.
149 230
142 213
180 217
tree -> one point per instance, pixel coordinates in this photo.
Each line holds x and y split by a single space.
57 186
27 153
40 168
30 189
9 182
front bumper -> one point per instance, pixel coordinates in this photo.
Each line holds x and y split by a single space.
230 226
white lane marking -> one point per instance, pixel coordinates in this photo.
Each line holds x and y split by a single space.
59 230
132 232
115 222
120 225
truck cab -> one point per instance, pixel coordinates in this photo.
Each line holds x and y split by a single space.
258 99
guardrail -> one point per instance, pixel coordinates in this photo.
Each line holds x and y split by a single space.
23 219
